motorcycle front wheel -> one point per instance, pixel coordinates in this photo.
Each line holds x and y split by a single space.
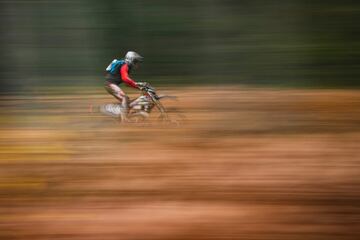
138 117
172 118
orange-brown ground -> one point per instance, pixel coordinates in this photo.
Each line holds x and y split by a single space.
247 164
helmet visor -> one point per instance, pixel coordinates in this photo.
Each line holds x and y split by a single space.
138 59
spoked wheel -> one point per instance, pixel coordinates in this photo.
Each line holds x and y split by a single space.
172 119
138 117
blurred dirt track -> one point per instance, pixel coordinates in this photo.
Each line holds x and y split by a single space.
247 164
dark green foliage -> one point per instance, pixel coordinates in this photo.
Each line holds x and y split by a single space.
290 43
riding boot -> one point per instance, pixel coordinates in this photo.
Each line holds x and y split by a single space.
125 110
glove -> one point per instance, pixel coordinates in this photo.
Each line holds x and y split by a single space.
142 85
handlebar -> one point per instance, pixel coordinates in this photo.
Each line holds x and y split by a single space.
148 89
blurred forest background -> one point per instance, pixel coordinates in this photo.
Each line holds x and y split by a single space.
277 43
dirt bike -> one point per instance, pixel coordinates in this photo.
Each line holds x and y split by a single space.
141 107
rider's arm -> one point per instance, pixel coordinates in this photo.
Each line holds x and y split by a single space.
125 76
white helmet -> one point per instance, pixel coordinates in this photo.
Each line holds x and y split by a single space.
133 57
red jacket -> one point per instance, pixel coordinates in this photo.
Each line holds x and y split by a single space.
124 73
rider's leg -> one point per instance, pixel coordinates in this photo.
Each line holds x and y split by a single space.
119 94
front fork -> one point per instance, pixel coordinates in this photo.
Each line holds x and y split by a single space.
163 115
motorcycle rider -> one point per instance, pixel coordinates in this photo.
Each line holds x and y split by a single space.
117 72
